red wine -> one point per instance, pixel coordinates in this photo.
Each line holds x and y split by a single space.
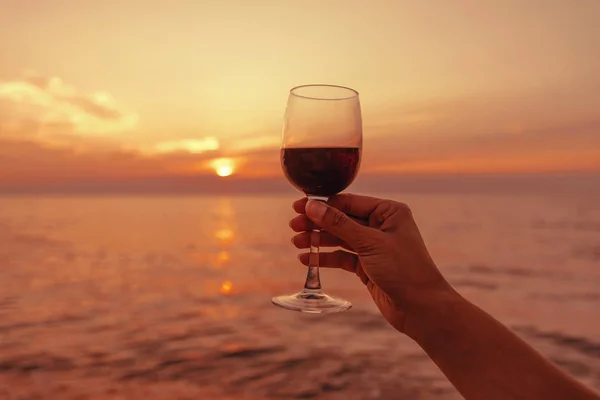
320 171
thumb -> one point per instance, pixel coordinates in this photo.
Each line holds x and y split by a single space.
337 223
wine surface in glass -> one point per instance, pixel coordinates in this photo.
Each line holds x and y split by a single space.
320 171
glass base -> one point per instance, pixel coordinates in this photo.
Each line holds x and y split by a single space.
312 301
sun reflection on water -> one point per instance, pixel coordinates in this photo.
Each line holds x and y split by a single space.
223 257
225 236
226 287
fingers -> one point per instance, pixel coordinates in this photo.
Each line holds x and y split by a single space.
299 205
301 223
302 240
340 259
351 204
339 224
336 259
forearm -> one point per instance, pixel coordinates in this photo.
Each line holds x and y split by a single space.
485 360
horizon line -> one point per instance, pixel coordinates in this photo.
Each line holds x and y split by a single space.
566 182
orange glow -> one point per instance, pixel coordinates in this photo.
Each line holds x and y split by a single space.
225 209
455 105
225 235
223 166
521 163
222 257
226 287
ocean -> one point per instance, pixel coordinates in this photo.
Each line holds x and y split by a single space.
168 297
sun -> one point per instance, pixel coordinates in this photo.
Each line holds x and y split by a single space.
223 166
224 170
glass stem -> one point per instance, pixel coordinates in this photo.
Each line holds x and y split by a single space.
313 281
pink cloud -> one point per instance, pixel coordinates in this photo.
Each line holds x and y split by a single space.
38 106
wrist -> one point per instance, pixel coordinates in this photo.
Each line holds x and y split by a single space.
426 319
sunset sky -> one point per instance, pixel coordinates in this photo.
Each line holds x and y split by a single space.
115 90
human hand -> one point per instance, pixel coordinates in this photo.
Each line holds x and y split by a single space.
389 257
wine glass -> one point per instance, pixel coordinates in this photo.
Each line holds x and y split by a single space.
320 156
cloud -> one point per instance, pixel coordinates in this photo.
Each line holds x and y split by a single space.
51 134
30 164
538 130
569 146
194 146
255 143
27 162
42 107
484 114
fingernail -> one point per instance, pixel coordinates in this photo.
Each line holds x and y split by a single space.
315 209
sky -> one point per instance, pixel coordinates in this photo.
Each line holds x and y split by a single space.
120 90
